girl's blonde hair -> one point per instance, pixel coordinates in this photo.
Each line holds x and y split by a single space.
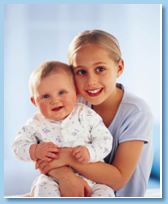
99 38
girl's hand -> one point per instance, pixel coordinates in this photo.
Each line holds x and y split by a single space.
70 185
74 187
44 166
81 154
41 164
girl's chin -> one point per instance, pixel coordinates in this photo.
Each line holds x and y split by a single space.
94 101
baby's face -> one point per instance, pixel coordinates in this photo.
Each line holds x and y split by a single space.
55 96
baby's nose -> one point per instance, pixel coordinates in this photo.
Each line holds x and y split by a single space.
54 100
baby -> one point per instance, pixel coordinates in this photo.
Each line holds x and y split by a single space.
61 122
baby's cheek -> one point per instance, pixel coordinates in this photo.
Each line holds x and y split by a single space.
43 108
70 104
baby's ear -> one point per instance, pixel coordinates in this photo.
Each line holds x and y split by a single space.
33 101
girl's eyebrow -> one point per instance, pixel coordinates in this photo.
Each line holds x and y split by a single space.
77 67
95 64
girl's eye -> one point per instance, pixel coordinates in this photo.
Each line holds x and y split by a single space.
61 92
99 69
81 72
46 96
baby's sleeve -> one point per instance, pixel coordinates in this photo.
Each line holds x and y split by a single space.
101 139
26 136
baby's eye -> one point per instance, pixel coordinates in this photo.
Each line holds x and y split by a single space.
61 92
46 96
81 72
99 69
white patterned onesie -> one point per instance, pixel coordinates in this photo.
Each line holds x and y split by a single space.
83 127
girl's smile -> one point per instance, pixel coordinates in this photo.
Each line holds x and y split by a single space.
95 74
94 92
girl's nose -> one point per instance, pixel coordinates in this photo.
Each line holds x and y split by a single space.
92 80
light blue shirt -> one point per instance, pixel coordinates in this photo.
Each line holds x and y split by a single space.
133 121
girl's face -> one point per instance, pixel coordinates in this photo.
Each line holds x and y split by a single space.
95 74
55 96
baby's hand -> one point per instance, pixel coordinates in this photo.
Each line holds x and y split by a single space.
81 154
47 151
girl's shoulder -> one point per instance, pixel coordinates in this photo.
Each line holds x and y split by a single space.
133 119
133 102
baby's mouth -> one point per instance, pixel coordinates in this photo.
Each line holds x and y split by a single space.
57 108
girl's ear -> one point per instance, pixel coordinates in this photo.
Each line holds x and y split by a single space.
120 67
33 101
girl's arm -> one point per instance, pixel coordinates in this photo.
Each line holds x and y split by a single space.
115 175
70 185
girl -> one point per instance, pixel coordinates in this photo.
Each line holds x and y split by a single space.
95 57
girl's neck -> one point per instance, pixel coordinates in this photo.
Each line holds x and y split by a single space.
108 109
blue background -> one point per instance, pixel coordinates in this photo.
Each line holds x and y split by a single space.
165 46
37 33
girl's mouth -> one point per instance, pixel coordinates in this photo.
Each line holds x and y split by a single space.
94 92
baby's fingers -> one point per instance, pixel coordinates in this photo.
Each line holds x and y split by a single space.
81 160
75 151
54 149
52 155
78 156
47 159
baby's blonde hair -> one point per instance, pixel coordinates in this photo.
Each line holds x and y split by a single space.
46 69
98 37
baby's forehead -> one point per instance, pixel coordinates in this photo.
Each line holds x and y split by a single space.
57 70
57 76
66 73
63 74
